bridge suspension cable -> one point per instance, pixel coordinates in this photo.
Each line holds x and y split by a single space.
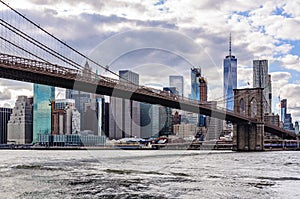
65 44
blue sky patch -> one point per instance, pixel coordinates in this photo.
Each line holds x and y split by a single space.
281 12
160 2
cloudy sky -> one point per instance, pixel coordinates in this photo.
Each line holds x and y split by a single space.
168 37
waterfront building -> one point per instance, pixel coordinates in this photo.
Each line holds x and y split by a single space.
165 121
4 118
297 128
229 78
94 116
65 117
124 114
42 94
177 82
176 118
106 119
19 127
88 105
185 130
150 126
166 118
192 118
272 119
214 126
80 99
261 79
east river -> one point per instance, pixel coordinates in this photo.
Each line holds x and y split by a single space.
148 174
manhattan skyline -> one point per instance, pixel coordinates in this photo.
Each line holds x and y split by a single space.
203 33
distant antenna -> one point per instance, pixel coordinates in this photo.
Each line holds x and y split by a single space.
230 45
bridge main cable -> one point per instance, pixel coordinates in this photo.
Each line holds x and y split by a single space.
65 44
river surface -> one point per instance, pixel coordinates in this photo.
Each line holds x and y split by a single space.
148 174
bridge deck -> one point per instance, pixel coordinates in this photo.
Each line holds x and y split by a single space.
28 70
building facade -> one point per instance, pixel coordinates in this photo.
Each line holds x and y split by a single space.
93 116
150 124
203 89
214 126
288 122
19 127
185 130
203 98
89 105
4 118
272 119
177 82
283 109
42 95
65 117
124 114
195 84
229 78
297 128
286 118
261 79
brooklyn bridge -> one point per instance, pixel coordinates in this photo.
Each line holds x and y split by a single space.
24 57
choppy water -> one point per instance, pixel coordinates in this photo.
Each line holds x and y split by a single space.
149 174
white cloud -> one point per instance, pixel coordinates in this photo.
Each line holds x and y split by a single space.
196 31
290 61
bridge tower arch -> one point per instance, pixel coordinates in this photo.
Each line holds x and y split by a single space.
249 136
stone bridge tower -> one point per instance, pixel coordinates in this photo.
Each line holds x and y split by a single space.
249 136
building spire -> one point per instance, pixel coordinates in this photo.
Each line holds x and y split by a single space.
230 44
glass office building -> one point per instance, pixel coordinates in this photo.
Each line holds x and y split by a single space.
230 78
177 81
42 110
195 84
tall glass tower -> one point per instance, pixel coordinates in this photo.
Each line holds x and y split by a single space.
42 109
177 81
195 75
230 78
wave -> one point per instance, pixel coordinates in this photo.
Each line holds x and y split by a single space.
36 167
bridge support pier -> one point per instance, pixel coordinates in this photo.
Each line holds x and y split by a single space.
249 136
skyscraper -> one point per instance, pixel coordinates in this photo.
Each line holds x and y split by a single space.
177 81
42 109
89 105
149 120
80 99
124 114
203 89
195 84
286 118
261 79
203 98
283 106
194 118
4 118
19 128
230 78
